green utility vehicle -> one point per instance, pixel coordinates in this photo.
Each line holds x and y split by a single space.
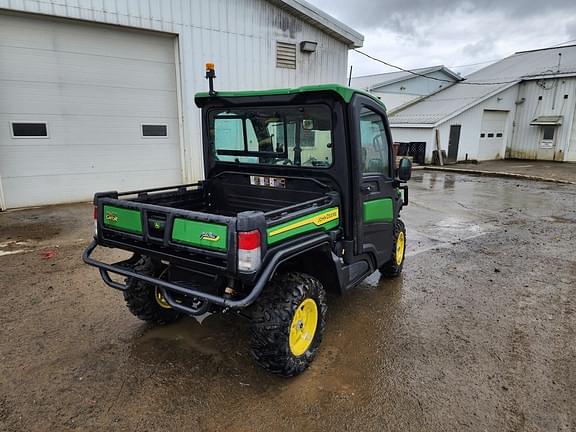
301 197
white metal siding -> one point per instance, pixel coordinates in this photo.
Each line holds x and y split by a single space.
471 121
526 140
238 36
416 135
94 86
394 100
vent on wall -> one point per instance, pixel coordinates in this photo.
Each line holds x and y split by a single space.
285 55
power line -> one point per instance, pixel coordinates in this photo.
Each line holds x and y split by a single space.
476 64
432 78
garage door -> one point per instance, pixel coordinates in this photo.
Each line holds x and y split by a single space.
492 135
84 108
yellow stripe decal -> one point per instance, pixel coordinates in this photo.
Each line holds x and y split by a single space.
317 220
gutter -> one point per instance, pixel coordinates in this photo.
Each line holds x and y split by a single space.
322 20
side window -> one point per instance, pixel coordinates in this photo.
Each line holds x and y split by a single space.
375 154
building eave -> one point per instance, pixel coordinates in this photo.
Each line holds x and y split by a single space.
447 71
549 76
412 125
322 20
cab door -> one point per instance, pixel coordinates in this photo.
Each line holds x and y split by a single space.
375 187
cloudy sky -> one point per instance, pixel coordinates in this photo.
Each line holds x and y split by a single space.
419 33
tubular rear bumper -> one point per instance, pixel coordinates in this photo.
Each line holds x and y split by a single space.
265 274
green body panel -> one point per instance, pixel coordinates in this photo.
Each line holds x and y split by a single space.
379 210
344 92
123 219
200 234
322 220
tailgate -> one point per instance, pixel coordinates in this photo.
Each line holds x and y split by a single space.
192 238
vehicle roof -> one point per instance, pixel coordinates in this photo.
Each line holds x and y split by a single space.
345 93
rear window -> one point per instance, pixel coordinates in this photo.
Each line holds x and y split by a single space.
286 136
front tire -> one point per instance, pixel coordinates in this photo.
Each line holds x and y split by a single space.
144 300
393 268
288 323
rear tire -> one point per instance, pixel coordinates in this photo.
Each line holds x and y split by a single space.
288 323
141 297
393 268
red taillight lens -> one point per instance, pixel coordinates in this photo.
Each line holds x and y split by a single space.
249 251
95 214
249 240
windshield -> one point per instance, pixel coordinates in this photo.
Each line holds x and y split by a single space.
298 135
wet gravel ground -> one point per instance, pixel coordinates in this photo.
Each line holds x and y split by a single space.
478 334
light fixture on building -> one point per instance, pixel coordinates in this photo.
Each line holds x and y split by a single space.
308 46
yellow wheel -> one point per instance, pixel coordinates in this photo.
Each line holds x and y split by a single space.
288 322
394 266
160 299
303 327
145 300
400 245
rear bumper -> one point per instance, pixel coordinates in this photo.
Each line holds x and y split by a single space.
168 288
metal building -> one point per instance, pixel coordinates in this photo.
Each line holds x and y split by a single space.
523 106
396 89
98 94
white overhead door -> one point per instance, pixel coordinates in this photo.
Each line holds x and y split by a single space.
492 135
84 108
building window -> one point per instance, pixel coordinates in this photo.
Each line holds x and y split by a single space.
29 130
154 130
499 135
285 55
548 133
482 135
490 135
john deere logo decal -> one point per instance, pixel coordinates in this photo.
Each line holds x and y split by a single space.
208 236
111 217
156 225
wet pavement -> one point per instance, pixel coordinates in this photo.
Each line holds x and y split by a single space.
478 333
564 172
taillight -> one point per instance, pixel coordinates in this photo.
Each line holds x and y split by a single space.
249 251
95 214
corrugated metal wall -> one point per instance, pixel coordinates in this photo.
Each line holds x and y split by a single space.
239 36
471 121
526 141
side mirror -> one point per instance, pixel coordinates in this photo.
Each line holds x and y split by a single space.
405 170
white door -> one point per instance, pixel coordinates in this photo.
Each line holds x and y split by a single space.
84 108
492 135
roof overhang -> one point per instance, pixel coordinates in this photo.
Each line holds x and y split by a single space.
322 20
424 73
412 125
549 76
547 121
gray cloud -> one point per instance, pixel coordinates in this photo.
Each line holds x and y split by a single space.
571 29
406 15
418 33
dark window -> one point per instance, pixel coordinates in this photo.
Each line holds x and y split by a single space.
539 97
548 133
288 136
482 135
149 130
490 135
29 130
499 135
